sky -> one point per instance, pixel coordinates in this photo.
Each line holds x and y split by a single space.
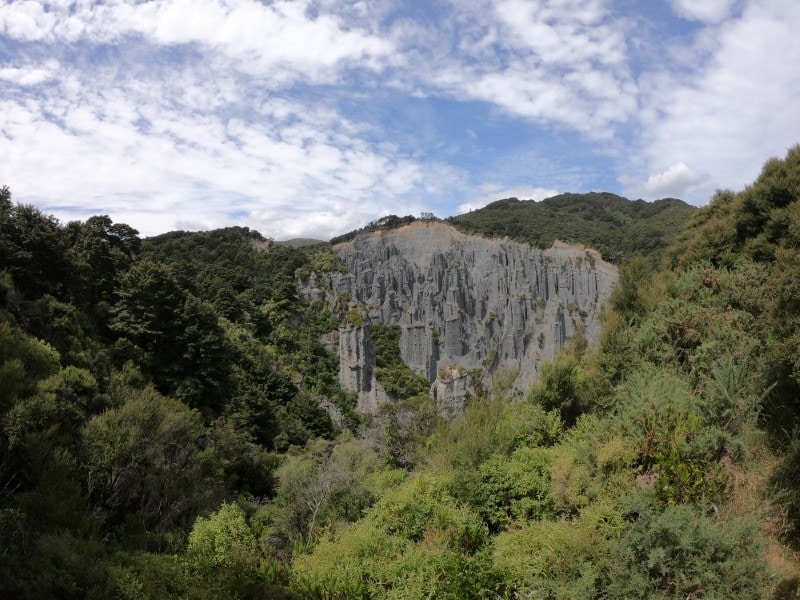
309 118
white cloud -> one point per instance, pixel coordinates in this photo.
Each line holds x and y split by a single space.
491 192
29 76
707 11
558 63
674 181
276 40
206 139
282 115
733 112
563 33
98 144
27 20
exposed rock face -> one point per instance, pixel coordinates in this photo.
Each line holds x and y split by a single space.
357 367
450 391
463 301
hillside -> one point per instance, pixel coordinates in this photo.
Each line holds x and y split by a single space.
300 242
175 423
661 465
613 225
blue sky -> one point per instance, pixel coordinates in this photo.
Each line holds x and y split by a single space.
312 117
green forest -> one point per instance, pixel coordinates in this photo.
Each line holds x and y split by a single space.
172 425
616 227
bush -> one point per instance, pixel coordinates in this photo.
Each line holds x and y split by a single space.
223 556
659 411
552 559
679 553
490 427
416 542
506 490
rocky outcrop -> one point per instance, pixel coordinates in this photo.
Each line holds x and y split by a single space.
463 302
357 367
450 391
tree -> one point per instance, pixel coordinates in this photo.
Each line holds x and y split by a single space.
145 461
100 251
174 335
325 484
33 249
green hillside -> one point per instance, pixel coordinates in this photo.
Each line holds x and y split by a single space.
171 426
300 242
613 225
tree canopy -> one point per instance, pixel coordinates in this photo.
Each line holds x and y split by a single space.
172 425
615 226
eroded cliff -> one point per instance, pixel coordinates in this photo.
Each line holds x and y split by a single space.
464 303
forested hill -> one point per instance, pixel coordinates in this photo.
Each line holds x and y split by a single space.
613 225
172 426
142 384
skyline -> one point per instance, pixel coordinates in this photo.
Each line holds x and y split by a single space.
310 118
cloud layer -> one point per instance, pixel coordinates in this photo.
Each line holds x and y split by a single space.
311 117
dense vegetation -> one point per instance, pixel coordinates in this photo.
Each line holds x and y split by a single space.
145 383
397 378
617 227
162 434
386 223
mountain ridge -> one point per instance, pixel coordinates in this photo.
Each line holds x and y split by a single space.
614 225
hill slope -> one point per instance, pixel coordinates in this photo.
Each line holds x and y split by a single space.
613 225
162 432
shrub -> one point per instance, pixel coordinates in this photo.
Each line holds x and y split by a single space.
558 560
416 542
222 552
679 553
506 490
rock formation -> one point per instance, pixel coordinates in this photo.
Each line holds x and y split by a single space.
464 303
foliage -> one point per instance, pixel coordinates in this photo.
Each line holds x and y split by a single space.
33 249
678 553
222 553
674 438
175 336
143 382
571 386
552 559
403 427
172 426
615 226
383 224
490 426
752 224
321 259
392 373
320 488
145 463
506 490
415 543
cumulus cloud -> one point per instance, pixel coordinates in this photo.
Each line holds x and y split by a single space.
310 117
673 181
561 63
125 148
161 138
731 114
278 40
29 76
